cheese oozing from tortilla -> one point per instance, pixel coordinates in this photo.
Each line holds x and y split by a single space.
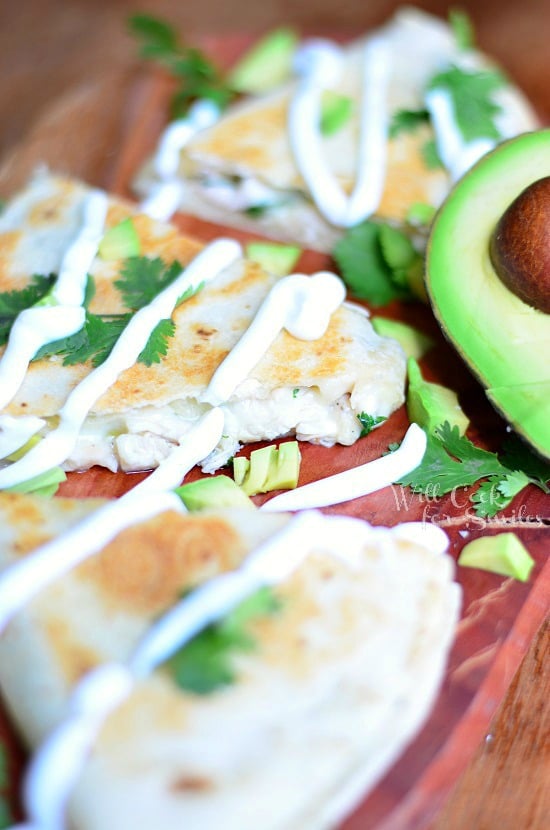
57 764
62 314
318 63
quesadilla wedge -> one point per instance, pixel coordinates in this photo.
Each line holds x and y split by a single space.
245 170
326 682
312 388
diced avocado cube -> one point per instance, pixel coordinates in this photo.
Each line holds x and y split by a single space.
336 110
267 64
45 484
420 213
429 404
260 463
502 554
284 474
414 342
218 491
273 257
241 466
120 241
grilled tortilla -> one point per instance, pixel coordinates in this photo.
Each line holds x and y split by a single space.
241 172
340 679
313 389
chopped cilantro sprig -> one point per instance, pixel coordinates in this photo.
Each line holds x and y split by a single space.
368 422
14 302
452 461
141 280
378 262
205 664
196 74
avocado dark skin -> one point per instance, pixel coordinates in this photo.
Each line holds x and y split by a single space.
520 246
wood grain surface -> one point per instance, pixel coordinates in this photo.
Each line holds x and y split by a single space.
52 53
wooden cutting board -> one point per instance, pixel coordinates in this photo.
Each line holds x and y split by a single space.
100 130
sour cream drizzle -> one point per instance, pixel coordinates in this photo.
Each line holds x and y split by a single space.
57 445
301 305
359 481
319 64
56 766
62 314
166 195
456 154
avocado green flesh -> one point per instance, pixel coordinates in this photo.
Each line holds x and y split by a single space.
505 342
502 554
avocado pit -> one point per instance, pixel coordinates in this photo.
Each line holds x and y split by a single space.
520 246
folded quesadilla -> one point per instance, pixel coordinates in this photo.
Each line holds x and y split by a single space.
324 686
244 170
314 389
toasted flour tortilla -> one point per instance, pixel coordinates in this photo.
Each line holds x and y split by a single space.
242 164
313 389
341 678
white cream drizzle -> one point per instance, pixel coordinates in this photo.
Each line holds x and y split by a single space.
456 154
57 444
359 481
63 313
27 577
301 305
166 195
57 764
319 64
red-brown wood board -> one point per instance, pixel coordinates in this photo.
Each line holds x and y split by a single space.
100 132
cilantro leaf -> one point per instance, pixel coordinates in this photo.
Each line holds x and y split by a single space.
14 302
157 346
451 461
430 155
198 77
94 341
368 422
406 121
470 91
497 493
364 266
205 663
142 278
517 456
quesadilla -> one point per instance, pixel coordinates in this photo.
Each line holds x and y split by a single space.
244 170
314 389
336 677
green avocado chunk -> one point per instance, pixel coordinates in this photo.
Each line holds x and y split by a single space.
502 554
120 242
336 110
429 404
269 468
218 491
274 257
504 341
413 342
267 64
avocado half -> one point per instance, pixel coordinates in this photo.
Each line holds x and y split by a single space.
505 342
